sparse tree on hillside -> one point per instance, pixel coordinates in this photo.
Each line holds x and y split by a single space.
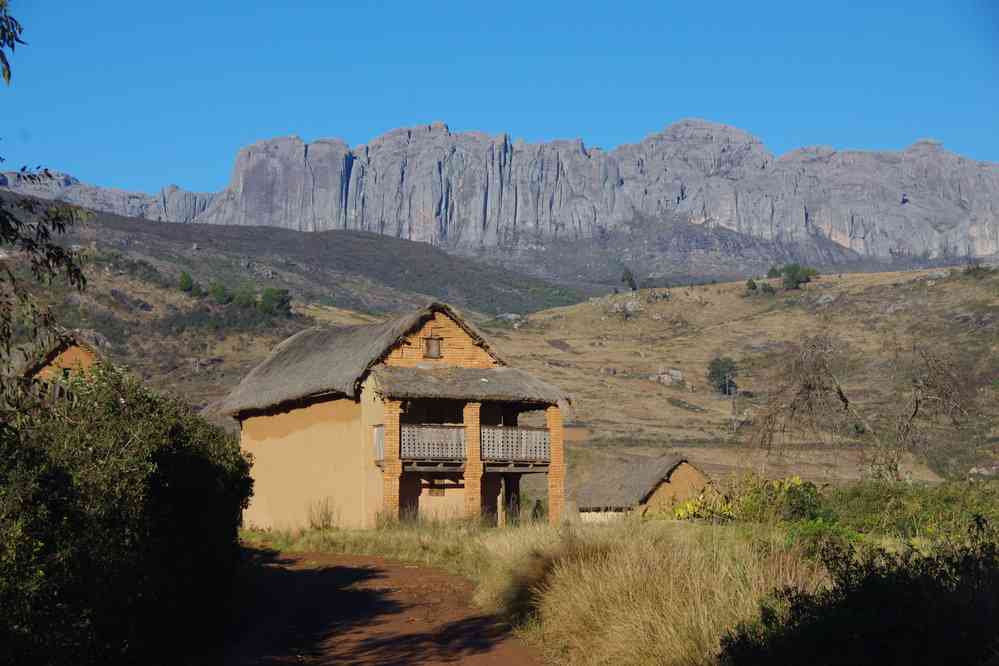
245 297
929 396
629 279
721 374
275 302
186 282
219 293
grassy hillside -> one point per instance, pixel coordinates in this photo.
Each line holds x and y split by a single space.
610 360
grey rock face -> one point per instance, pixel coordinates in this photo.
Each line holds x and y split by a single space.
469 191
172 204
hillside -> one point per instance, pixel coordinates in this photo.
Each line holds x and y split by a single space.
469 192
616 366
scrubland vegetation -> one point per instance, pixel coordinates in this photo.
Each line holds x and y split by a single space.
788 562
119 512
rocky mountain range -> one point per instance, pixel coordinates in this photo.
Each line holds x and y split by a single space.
469 191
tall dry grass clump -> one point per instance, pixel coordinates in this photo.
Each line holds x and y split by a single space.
657 593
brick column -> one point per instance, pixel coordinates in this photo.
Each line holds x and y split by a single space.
556 467
473 460
392 465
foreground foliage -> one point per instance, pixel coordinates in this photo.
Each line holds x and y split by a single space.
884 607
119 513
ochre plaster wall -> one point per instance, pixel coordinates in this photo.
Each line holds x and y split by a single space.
372 414
457 347
450 506
74 358
684 483
303 458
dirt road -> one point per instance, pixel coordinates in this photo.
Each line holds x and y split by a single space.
316 608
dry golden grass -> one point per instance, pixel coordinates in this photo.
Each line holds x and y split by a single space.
628 593
605 361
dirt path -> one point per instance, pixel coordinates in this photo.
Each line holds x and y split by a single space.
314 608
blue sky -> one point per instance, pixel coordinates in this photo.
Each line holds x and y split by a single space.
141 94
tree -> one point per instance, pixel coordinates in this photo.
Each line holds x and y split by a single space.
245 297
721 374
931 398
275 302
629 279
28 227
186 282
796 275
751 286
219 293
774 272
10 37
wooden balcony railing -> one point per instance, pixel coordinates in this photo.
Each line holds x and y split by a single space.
447 443
515 443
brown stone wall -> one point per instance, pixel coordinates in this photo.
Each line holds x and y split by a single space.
392 465
556 468
457 347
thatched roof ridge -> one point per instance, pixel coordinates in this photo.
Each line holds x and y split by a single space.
329 361
625 481
504 384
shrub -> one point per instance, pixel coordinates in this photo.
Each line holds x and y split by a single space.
219 293
767 289
773 272
883 608
119 514
275 302
795 275
721 374
751 286
629 279
245 297
186 282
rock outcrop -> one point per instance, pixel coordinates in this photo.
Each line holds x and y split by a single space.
467 191
172 204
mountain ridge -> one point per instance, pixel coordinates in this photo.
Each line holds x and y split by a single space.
470 191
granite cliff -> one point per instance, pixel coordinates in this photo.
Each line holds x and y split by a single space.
469 192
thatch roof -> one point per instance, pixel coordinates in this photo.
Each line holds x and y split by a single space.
507 384
626 481
330 361
26 360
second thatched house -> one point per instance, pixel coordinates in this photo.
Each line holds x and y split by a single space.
630 484
414 416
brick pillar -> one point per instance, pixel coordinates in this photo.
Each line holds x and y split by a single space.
392 465
556 467
473 460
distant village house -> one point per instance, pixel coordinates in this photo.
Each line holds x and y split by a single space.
414 416
639 485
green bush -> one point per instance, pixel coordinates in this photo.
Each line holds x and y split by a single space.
245 297
119 514
795 275
751 286
884 608
186 282
219 293
721 374
275 302
774 272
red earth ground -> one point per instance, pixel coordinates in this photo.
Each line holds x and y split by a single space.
314 608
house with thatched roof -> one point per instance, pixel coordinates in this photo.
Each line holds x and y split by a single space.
417 415
635 484
61 354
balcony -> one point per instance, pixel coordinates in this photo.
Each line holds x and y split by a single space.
443 447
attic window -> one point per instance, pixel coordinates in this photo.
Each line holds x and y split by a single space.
432 347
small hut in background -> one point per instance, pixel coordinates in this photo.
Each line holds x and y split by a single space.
66 353
639 484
